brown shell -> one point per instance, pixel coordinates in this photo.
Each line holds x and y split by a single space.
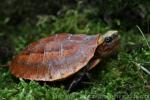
55 57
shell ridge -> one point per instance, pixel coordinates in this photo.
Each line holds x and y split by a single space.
61 50
49 74
29 58
70 35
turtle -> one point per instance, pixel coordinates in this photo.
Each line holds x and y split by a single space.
60 56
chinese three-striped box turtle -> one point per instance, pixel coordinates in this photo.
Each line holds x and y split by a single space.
62 55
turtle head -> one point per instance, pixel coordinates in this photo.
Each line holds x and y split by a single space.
108 43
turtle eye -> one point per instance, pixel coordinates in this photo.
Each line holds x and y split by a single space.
108 39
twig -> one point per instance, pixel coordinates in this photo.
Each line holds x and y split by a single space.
141 67
131 47
144 69
6 65
143 36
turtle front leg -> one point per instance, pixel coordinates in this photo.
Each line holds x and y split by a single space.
77 80
93 63
84 74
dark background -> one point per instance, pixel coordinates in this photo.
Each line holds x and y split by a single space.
128 12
